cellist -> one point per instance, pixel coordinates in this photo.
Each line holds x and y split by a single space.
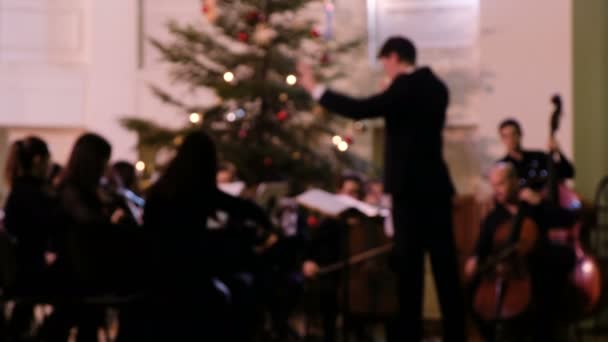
547 274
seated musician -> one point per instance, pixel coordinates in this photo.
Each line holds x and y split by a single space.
226 173
325 248
531 166
183 211
547 267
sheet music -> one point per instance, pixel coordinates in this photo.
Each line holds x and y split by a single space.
235 189
334 205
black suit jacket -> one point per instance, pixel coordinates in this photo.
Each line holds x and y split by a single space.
414 109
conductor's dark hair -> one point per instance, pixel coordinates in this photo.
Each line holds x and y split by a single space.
403 47
511 123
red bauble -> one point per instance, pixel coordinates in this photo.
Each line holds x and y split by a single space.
243 134
349 140
325 59
205 9
243 36
282 115
315 33
253 17
312 221
267 161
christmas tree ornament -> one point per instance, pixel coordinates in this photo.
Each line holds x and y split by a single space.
243 36
315 33
349 140
240 113
282 115
253 17
283 97
242 133
312 221
325 58
210 10
264 34
296 155
267 161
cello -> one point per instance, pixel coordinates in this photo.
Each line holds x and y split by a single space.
584 280
503 285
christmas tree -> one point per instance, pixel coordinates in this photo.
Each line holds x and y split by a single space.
246 51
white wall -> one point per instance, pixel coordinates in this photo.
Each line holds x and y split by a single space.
68 66
526 57
112 71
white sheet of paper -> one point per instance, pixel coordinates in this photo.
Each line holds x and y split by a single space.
235 189
334 205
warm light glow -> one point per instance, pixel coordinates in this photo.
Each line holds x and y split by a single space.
291 80
228 77
231 117
336 140
587 267
343 146
140 166
195 118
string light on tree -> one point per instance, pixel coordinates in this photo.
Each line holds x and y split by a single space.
336 140
343 146
228 76
195 118
291 80
231 117
178 140
140 166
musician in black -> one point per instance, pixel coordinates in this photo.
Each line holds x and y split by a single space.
531 166
326 247
188 296
87 240
414 108
29 215
548 265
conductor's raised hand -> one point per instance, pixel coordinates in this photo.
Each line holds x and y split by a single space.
306 76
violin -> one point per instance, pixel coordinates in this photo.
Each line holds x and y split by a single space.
503 286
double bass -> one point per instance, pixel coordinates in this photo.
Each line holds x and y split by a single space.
583 290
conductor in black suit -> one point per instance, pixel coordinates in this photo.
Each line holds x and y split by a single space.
416 176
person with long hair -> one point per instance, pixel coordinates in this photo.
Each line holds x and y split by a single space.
183 211
86 238
28 219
